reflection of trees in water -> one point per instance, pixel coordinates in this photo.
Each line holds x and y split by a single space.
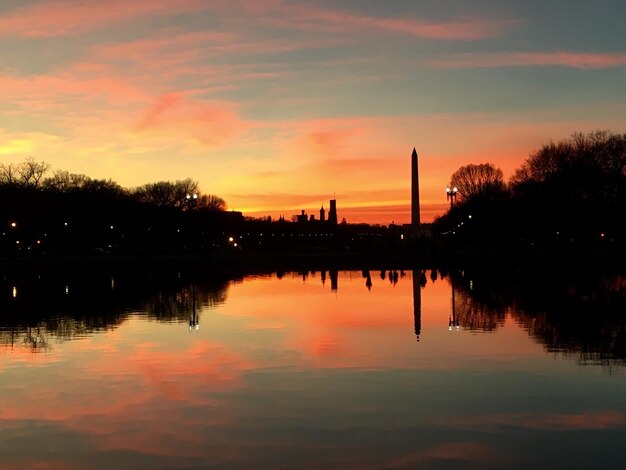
32 337
48 310
589 321
474 308
574 313
177 305
595 339
477 315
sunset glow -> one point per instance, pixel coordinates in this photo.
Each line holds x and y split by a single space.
278 105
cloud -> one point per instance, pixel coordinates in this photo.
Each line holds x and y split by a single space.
591 420
55 87
309 16
65 17
162 104
577 60
453 30
207 122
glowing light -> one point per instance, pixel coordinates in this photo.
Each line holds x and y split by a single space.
231 239
13 224
14 292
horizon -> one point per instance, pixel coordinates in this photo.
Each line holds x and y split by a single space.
276 106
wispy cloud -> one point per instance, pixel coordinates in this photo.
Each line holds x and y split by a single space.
209 123
576 60
593 420
66 17
310 16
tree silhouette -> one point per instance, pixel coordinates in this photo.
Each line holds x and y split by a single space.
596 151
211 202
472 180
575 189
27 174
167 193
64 181
567 194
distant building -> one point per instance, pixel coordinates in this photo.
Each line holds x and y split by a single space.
332 212
301 217
322 214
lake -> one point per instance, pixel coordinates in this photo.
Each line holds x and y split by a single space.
457 368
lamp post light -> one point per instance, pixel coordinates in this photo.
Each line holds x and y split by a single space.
451 194
192 200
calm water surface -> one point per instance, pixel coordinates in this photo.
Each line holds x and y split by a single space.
313 370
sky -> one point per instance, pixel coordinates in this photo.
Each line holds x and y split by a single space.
278 106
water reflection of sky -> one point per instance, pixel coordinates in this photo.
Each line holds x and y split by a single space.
291 372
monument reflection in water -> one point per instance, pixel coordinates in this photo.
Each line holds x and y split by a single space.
316 369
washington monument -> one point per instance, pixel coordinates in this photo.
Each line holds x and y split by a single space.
415 192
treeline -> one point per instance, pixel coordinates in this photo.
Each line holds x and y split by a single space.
66 213
570 194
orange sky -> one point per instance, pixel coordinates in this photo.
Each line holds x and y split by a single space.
277 106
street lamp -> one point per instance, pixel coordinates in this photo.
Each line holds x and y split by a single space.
192 200
451 194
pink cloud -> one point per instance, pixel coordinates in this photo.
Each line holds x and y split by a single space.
210 123
63 17
578 60
454 30
469 452
52 88
162 104
309 16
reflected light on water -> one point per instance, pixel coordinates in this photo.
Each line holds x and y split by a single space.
327 373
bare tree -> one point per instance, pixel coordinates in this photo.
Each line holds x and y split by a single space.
166 193
8 173
65 181
31 172
599 150
473 179
211 202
